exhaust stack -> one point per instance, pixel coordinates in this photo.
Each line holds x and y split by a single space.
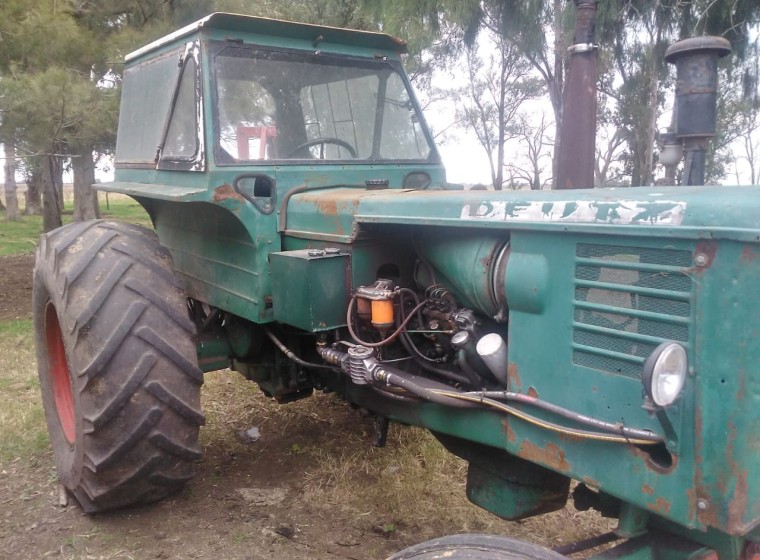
575 168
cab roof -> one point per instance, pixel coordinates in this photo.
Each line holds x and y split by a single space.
280 28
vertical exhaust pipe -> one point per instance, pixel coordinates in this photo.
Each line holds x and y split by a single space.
575 168
696 62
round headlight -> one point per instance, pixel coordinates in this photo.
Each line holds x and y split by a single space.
665 373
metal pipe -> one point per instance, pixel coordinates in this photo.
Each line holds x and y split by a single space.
285 350
575 168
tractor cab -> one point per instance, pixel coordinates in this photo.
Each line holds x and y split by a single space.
232 94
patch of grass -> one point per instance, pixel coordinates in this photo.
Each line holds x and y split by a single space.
123 208
19 237
22 236
16 327
415 490
413 482
409 491
23 432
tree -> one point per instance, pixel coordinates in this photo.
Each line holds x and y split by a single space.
57 105
498 84
640 35
609 156
741 107
535 157
9 168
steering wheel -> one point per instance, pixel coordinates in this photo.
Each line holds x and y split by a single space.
325 140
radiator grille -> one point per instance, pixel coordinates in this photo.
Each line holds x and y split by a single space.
627 301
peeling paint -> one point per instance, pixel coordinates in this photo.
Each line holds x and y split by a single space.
510 433
738 505
515 383
660 505
226 192
647 489
749 254
661 213
327 206
707 251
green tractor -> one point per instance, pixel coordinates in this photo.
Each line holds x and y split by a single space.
306 237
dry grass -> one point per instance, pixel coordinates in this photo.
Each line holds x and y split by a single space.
22 424
416 485
412 487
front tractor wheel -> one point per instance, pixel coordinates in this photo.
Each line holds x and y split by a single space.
477 547
117 364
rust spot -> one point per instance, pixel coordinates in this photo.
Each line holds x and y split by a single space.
551 455
532 392
698 434
661 506
748 254
709 517
513 377
226 192
738 505
327 206
691 496
647 489
724 482
511 436
650 463
708 249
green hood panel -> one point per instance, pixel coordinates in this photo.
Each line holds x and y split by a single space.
692 212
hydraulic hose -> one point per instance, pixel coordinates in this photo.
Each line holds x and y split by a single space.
376 372
620 434
646 438
285 350
402 382
565 413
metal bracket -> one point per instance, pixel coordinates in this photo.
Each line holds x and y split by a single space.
380 435
582 48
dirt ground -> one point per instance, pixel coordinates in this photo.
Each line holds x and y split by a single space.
248 501
245 506
16 287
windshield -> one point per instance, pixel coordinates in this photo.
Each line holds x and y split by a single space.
282 106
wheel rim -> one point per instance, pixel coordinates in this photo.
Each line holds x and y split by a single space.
59 374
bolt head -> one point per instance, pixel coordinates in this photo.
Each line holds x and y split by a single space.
700 259
702 504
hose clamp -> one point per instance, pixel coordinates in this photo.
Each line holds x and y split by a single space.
582 48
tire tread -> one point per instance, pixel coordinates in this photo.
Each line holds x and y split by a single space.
133 362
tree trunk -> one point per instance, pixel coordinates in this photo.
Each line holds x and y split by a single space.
52 204
556 88
33 205
85 201
9 168
651 125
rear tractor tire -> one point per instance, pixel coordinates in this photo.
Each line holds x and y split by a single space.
117 363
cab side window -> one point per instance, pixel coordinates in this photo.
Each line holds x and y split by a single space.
182 145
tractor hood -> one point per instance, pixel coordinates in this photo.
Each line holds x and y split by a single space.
695 212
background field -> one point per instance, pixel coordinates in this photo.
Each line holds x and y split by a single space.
343 498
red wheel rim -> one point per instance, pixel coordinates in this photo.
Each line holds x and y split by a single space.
59 374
